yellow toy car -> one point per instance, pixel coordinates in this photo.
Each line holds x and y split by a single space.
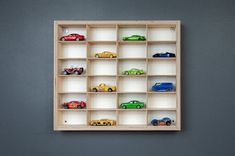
103 88
102 122
105 54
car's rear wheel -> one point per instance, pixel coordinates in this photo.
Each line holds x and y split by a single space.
108 124
126 73
97 56
63 39
93 124
111 56
168 123
155 124
78 73
95 90
110 90
138 73
124 107
79 107
138 106
65 73
77 39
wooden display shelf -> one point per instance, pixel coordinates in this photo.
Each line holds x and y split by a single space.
161 36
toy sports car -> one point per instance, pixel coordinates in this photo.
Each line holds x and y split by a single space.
73 37
133 71
166 54
134 38
162 122
73 70
74 105
103 88
102 122
132 104
164 86
105 54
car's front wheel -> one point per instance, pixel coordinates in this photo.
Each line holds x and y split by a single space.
111 56
168 123
138 107
108 124
97 56
110 90
95 90
124 107
126 73
65 73
77 39
63 39
93 124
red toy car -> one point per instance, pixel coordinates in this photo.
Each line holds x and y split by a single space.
72 70
74 105
73 37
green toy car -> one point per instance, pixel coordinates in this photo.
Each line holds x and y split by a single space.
134 38
133 71
132 104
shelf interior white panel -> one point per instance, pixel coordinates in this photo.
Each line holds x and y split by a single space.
161 48
123 98
98 48
71 30
129 31
132 51
158 34
73 51
156 79
162 67
103 101
162 101
132 84
103 67
72 63
73 84
132 117
161 114
129 64
97 115
103 34
74 118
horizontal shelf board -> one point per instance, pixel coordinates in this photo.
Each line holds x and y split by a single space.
93 58
151 92
132 92
71 58
119 109
132 42
102 42
162 42
143 109
143 75
71 92
132 58
161 75
72 42
71 109
102 109
101 92
161 58
72 75
161 109
102 75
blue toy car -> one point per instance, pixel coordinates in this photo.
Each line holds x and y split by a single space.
162 122
166 54
164 86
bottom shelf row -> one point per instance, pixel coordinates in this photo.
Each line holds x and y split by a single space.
117 118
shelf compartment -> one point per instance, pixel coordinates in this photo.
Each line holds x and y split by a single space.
95 81
71 63
66 30
72 84
102 33
102 114
71 97
132 118
129 64
159 114
108 67
162 67
100 47
72 51
156 79
102 101
161 33
123 98
161 101
132 84
132 51
154 48
73 118
128 30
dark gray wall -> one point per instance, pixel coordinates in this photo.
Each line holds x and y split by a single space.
208 74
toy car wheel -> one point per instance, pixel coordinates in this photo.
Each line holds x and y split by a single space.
124 107
168 123
108 124
138 107
77 39
97 56
110 90
138 73
63 39
79 107
78 73
95 90
126 73
155 124
93 124
65 73
66 107
111 56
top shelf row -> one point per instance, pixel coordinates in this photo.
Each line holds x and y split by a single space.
116 32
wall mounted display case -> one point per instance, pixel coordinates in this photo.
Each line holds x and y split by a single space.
161 37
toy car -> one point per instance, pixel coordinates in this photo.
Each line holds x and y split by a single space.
73 70
133 71
134 38
132 104
103 88
73 37
74 105
162 122
102 122
105 54
164 86
166 54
